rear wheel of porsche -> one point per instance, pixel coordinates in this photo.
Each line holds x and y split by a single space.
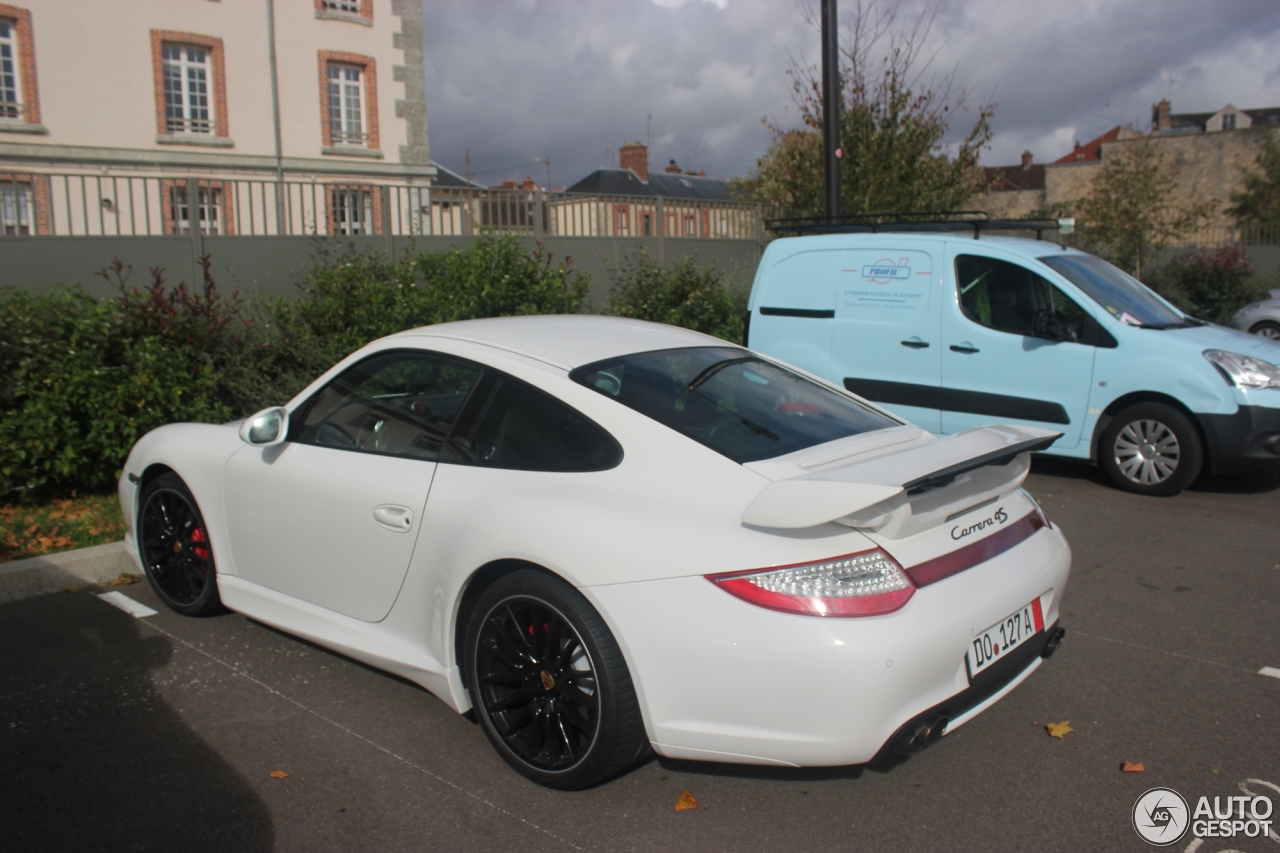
1151 449
175 549
549 684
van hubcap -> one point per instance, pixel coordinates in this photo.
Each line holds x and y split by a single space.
1147 452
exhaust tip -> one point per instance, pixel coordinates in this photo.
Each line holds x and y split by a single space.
921 736
1055 640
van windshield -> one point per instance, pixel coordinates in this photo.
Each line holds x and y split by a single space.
731 401
1122 295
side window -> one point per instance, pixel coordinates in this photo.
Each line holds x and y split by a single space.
393 403
511 424
1007 297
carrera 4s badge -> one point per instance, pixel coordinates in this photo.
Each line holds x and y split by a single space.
996 519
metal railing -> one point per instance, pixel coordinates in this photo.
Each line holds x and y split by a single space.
92 205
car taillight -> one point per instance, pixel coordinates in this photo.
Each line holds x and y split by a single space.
865 584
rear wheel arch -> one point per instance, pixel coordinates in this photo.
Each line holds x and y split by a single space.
481 579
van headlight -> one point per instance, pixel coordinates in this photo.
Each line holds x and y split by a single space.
1244 371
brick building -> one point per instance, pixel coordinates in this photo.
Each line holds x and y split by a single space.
114 115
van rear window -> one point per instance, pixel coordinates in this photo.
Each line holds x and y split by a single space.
733 402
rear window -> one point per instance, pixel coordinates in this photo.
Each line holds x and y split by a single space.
731 401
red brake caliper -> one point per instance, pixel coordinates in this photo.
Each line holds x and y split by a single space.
197 535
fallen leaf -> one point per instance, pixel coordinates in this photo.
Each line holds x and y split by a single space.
1059 730
686 802
125 578
73 589
1132 767
278 774
32 529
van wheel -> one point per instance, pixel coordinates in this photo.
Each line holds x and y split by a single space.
1151 449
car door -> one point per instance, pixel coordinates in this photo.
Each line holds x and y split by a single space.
331 516
886 342
995 368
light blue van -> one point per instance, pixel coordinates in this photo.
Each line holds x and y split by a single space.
952 331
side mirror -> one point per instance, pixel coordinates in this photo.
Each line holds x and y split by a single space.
1046 325
267 428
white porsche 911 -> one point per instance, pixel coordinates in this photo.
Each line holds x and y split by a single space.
607 536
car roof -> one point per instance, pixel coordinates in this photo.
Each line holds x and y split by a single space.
1020 245
568 340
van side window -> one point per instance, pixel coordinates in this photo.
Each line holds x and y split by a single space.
1006 297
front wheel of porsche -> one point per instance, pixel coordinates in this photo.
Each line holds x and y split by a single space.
549 684
175 548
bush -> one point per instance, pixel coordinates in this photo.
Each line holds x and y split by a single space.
1209 286
81 379
684 295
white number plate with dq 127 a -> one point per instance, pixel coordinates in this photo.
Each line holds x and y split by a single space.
1001 638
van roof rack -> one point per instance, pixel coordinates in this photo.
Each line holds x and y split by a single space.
975 221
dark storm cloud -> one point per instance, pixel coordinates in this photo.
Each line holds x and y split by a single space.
572 80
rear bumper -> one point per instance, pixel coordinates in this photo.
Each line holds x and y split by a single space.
722 680
1246 441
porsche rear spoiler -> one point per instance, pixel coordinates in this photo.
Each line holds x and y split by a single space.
901 492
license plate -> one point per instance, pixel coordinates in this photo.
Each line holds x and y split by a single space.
1006 635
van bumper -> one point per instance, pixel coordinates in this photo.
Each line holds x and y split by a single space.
1246 441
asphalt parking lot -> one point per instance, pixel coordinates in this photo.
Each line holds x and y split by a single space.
161 733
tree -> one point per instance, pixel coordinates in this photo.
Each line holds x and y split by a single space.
1260 199
1130 212
893 127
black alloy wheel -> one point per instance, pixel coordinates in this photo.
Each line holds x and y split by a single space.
1151 449
175 549
549 685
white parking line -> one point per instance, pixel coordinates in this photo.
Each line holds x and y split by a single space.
1270 670
125 603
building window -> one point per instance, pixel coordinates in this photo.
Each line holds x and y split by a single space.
191 87
10 100
209 214
646 224
186 89
346 105
621 220
19 103
17 209
1229 121
357 11
690 226
352 6
348 101
352 212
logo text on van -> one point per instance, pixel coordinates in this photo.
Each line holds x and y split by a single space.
885 271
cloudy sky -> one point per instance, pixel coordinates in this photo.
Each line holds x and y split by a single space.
517 82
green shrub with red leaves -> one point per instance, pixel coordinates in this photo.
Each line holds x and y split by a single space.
1210 286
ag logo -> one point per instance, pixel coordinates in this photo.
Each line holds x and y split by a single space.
1161 817
884 271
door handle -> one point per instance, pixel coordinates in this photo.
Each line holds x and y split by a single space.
915 343
397 519
965 347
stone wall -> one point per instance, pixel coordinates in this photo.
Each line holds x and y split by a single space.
1206 167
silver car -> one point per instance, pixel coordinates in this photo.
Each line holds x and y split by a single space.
1260 318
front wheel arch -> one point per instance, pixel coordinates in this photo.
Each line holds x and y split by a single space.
1132 399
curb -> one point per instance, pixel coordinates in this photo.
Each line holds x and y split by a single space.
55 572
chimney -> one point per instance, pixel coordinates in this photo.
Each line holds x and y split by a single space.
672 168
1026 159
635 156
528 183
1160 118
702 173
1079 151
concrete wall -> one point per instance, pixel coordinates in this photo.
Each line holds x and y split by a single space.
273 265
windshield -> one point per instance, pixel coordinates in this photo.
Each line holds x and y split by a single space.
1124 297
731 401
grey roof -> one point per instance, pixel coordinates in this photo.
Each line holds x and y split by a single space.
626 182
449 180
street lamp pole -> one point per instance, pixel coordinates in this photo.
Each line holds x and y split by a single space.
831 107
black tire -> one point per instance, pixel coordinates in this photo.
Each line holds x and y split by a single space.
176 553
1151 449
549 685
1266 329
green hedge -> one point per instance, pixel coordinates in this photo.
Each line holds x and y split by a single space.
698 298
81 378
